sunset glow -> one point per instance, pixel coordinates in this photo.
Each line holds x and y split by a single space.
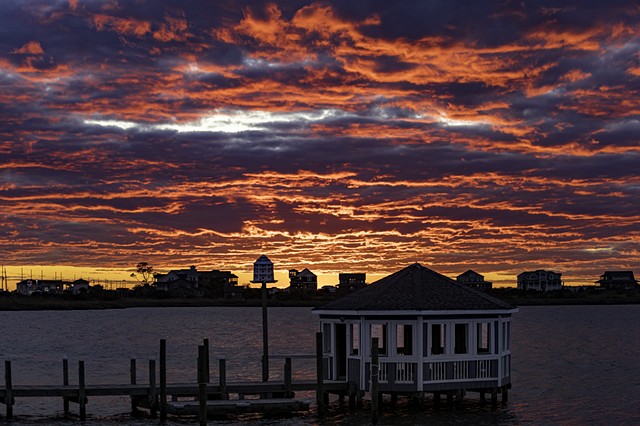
494 136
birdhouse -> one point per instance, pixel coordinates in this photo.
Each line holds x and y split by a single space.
263 270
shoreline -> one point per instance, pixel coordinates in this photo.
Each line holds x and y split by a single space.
10 304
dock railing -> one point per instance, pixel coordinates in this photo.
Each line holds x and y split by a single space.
158 396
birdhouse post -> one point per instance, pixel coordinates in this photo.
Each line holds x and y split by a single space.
263 274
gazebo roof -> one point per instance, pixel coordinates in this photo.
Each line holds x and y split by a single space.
416 288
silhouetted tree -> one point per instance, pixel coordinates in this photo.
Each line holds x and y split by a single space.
144 273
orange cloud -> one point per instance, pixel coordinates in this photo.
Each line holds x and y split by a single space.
30 48
125 26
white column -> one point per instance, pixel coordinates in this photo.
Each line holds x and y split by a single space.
419 352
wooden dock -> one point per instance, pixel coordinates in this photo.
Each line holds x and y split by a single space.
200 398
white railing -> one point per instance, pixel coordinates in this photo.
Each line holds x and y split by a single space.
483 369
405 372
383 373
461 370
438 370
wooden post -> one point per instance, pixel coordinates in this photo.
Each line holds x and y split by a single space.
494 398
202 387
319 375
375 369
265 335
207 370
287 378
163 380
505 394
65 382
352 395
132 371
82 396
8 387
153 406
223 378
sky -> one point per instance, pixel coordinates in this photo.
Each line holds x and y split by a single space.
347 136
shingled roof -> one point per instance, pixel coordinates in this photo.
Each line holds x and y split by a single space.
416 288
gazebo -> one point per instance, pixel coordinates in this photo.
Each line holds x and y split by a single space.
434 335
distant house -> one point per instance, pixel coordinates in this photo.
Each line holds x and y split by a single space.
474 280
190 274
179 288
349 282
214 283
78 286
233 292
619 280
304 280
433 335
540 280
329 289
30 286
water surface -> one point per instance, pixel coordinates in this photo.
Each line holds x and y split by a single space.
571 365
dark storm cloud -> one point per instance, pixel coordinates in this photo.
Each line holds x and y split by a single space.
411 129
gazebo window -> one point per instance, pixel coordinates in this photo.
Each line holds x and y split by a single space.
460 339
483 338
404 339
326 337
438 338
355 339
380 331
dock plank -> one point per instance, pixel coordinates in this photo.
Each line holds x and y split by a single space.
182 389
240 406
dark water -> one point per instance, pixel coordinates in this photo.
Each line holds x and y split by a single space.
573 365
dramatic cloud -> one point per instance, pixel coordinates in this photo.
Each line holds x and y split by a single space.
339 136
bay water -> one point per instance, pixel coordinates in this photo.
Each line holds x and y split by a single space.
571 365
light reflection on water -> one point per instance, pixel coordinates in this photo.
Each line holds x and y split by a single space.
572 365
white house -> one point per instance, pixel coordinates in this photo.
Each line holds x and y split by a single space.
434 335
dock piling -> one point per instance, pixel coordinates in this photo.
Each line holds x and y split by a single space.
202 386
319 375
65 382
222 367
207 369
132 371
8 396
287 378
163 380
153 406
82 396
